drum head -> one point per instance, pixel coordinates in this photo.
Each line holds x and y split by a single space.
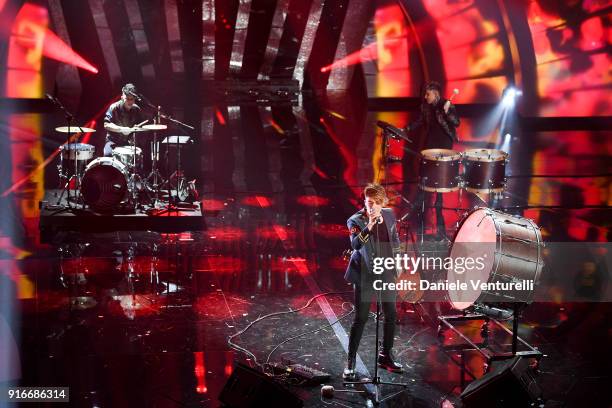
440 154
476 239
488 155
129 150
104 184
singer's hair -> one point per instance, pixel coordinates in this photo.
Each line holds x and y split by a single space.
377 192
128 89
433 86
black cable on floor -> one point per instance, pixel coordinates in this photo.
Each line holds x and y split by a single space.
259 319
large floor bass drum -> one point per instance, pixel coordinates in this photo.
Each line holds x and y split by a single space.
510 251
105 184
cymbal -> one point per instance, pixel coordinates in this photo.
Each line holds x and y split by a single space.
156 126
74 129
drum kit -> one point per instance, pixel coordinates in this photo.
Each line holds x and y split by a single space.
484 170
511 245
117 183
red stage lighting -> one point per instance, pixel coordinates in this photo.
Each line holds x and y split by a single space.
55 48
312 201
220 117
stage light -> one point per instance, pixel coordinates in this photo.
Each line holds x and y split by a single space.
55 48
510 95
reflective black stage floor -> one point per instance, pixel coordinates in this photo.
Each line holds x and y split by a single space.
143 318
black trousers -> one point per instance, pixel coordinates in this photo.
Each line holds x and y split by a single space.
419 202
364 294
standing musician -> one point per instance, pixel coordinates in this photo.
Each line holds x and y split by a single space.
120 117
439 118
373 233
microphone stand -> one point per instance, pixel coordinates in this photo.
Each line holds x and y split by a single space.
376 381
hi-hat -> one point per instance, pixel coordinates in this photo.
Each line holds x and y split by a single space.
156 126
74 129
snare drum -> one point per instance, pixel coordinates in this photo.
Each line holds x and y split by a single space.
485 170
105 184
439 170
125 154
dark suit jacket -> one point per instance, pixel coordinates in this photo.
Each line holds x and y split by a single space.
363 255
447 121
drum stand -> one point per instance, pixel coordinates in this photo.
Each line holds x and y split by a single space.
135 179
487 316
76 175
154 179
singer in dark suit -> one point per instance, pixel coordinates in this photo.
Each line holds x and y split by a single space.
120 117
439 118
373 233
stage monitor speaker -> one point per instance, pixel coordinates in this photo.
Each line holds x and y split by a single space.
510 383
247 388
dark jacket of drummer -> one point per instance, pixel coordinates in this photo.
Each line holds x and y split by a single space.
120 116
440 125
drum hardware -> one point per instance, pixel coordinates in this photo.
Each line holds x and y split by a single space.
181 191
77 150
160 114
134 181
154 179
514 246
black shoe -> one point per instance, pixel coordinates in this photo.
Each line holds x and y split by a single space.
349 372
385 360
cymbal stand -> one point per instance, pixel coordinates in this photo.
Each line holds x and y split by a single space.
174 200
180 179
69 119
155 178
135 179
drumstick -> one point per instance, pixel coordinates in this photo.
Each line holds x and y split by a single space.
141 123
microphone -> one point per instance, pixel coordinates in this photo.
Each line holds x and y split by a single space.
135 95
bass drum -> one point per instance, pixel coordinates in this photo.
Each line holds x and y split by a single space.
105 184
506 249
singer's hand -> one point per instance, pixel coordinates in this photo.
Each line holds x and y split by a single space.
447 106
373 219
